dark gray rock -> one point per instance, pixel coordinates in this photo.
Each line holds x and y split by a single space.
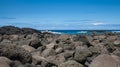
10 30
15 30
35 43
81 53
68 54
15 53
17 64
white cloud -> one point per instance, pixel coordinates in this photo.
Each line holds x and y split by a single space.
99 23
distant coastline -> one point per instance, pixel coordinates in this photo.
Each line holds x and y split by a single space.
81 31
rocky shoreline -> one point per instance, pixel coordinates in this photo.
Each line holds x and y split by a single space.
26 47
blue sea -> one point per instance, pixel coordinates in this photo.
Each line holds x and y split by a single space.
88 32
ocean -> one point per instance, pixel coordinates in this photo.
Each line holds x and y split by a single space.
88 32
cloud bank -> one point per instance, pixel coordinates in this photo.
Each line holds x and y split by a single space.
98 23
7 18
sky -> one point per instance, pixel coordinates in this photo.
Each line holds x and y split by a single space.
61 14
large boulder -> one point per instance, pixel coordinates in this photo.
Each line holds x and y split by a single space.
70 63
64 39
81 53
36 59
5 62
99 49
48 52
56 60
39 60
28 48
15 53
106 60
51 46
68 54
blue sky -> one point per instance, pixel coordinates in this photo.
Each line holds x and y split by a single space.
61 14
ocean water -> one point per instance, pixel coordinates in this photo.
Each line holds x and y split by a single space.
81 31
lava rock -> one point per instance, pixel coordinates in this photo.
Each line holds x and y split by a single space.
28 48
36 59
5 62
59 50
81 53
105 60
56 60
35 43
48 52
15 53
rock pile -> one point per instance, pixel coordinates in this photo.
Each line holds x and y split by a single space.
26 47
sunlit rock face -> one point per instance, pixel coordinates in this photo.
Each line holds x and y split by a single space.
106 60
